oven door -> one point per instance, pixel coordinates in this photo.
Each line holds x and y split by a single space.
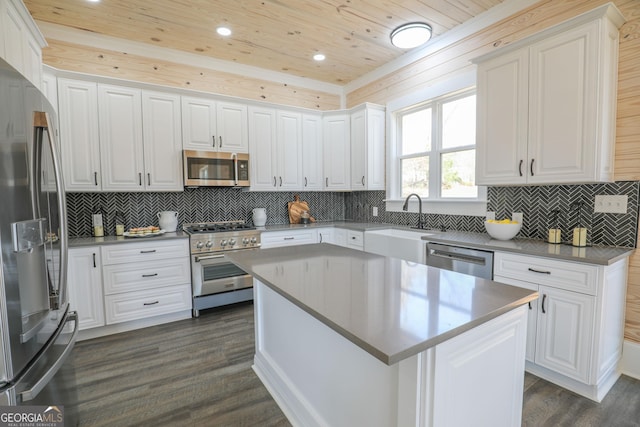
213 273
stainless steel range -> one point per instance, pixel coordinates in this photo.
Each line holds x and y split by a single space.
215 280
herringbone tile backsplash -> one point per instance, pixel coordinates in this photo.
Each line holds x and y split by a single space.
223 204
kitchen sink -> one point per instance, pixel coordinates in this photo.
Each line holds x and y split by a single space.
398 243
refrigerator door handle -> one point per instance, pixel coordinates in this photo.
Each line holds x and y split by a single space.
31 393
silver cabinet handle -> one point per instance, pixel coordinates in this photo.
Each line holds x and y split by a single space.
305 181
95 178
544 297
150 275
202 258
220 139
149 179
148 252
213 138
150 303
289 238
363 180
520 167
326 180
320 237
140 178
274 181
280 181
94 260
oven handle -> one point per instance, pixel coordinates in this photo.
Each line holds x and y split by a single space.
201 258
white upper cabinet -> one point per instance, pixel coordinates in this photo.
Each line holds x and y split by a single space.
276 149
367 148
199 124
262 142
21 42
232 127
214 125
546 105
121 151
289 150
312 152
337 151
79 136
162 132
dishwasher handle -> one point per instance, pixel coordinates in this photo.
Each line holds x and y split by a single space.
458 257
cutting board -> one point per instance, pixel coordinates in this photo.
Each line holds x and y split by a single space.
296 208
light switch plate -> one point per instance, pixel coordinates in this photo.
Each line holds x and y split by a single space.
611 204
517 217
374 210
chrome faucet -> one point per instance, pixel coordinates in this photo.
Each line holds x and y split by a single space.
405 207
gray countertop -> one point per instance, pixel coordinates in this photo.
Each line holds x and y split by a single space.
109 240
391 308
600 255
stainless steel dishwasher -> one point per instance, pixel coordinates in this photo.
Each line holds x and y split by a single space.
474 262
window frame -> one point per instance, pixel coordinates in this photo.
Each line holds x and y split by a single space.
434 96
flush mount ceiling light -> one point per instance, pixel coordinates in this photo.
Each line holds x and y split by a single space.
411 35
223 31
319 57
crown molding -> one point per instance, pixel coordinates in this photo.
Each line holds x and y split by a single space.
99 41
468 28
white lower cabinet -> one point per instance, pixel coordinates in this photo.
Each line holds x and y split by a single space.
276 239
576 326
85 286
146 279
117 283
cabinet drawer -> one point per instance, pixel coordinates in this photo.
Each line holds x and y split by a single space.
148 275
144 251
288 238
566 275
141 304
355 239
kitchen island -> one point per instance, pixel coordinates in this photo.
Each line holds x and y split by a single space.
348 338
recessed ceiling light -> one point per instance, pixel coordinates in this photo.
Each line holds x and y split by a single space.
319 57
411 35
223 31
93 1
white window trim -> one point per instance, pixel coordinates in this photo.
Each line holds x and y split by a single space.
450 206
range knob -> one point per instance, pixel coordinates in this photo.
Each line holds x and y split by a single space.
232 242
209 244
245 241
223 243
254 240
199 245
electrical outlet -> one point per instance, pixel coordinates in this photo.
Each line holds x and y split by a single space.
374 211
611 204
491 215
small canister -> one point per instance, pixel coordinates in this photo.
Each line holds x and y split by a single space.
119 219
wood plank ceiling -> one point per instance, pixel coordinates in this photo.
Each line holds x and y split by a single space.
278 35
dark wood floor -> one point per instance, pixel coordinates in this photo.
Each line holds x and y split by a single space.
198 372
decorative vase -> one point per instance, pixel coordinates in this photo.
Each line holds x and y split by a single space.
259 217
168 220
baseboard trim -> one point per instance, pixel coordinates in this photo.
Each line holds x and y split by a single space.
631 359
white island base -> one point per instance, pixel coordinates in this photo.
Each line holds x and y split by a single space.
320 378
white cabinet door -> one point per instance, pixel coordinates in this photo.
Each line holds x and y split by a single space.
50 89
85 286
33 60
121 152
337 151
565 332
162 141
312 152
262 144
367 148
502 105
232 125
562 102
289 150
199 124
79 135
14 35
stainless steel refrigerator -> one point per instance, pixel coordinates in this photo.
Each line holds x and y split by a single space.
37 331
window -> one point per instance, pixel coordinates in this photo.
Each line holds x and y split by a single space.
436 148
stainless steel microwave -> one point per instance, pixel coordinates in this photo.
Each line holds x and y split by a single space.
215 169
